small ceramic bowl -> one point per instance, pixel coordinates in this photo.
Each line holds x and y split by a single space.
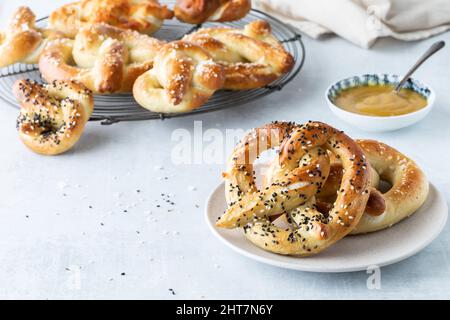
375 123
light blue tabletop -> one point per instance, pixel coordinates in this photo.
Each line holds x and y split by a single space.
64 232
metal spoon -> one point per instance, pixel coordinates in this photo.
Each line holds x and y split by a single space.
433 49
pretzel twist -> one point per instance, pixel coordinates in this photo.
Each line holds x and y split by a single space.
145 16
408 191
199 11
53 116
252 57
183 78
302 169
22 41
107 59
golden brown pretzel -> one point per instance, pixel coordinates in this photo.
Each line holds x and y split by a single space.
107 59
327 195
145 16
199 11
183 78
408 192
22 41
53 116
252 57
303 168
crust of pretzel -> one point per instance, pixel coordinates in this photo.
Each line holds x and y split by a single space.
200 11
408 192
103 66
183 78
22 41
145 16
239 175
252 209
375 205
251 58
409 189
141 47
53 116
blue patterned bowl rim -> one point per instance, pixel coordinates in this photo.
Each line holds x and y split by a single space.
376 79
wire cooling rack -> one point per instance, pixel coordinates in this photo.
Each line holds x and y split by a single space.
111 109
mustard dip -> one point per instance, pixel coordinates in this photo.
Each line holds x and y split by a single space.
380 100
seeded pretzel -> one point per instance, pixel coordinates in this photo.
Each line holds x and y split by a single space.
240 172
183 78
408 192
199 11
107 59
53 116
22 41
145 16
298 183
327 194
303 168
252 57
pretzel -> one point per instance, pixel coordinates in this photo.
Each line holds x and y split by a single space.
327 194
107 59
200 11
53 116
408 192
183 78
22 41
252 57
303 167
145 16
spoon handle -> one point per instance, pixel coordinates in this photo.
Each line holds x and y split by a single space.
433 49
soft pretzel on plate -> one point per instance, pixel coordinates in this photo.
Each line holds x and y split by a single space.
199 11
145 16
52 116
107 59
183 78
303 168
22 41
408 191
252 57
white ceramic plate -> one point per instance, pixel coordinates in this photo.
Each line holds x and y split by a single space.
353 253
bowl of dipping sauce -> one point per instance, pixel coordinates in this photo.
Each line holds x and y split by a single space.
369 102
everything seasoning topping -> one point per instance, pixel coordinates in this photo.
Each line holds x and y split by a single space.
288 196
49 113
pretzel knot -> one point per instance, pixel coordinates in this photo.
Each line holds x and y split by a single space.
252 57
183 78
408 187
53 116
199 11
145 16
107 59
22 41
303 166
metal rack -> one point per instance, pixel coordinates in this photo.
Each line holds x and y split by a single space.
111 109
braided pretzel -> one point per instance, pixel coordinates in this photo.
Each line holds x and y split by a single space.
327 194
22 41
52 117
199 11
252 57
408 192
183 78
107 59
303 168
145 16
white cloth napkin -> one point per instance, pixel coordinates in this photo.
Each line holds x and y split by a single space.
363 21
